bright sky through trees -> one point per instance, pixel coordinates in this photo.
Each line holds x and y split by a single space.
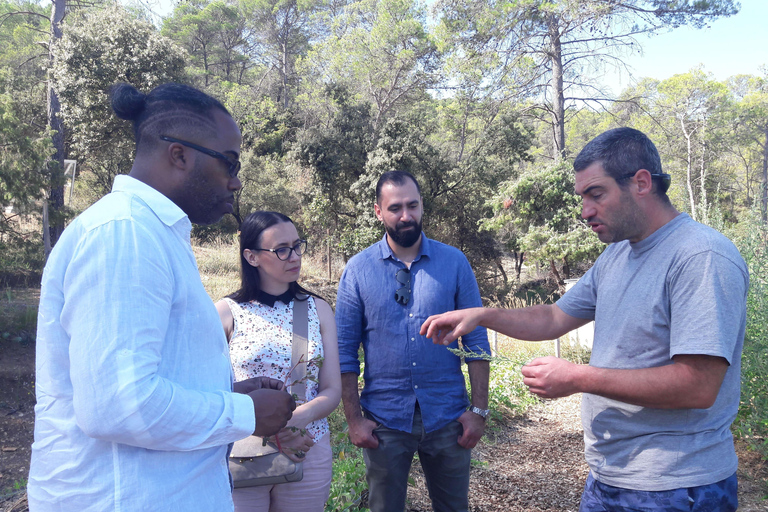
730 46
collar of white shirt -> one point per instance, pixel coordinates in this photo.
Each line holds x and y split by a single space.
165 209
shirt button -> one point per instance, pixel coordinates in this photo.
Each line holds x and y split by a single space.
414 364
416 386
411 315
413 339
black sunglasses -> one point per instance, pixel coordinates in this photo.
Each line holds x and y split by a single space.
403 294
283 253
234 165
666 179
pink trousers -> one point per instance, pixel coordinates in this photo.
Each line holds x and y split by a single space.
307 495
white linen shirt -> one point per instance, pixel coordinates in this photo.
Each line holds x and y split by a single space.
134 404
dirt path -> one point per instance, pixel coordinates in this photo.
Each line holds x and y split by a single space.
536 464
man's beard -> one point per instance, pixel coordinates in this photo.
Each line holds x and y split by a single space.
402 237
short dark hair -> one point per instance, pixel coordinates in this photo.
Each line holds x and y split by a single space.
398 178
621 152
169 109
250 236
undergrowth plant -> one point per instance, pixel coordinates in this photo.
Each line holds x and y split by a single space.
751 423
348 484
18 321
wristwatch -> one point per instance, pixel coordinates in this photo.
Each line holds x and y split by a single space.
483 413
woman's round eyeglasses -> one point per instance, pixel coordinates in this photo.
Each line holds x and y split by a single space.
283 253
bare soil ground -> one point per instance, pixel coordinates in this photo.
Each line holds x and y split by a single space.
535 463
532 463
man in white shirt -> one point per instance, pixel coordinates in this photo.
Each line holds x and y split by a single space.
135 407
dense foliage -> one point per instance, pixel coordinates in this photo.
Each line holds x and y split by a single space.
469 97
752 421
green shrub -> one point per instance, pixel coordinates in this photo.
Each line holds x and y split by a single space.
751 424
21 262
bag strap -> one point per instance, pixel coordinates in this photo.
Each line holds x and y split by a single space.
299 348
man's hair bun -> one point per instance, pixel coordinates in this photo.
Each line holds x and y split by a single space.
127 102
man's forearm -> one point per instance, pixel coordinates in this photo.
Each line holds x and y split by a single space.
350 397
692 382
479 371
534 323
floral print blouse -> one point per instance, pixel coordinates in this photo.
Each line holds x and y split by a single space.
261 345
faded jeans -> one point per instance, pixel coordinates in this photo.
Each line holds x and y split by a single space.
718 497
445 465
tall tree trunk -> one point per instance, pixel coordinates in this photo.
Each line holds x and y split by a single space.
556 84
689 171
285 75
765 177
56 163
500 266
703 203
553 267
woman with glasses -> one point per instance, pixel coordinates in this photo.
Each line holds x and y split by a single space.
258 321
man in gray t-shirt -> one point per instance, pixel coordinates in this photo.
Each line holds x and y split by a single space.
668 298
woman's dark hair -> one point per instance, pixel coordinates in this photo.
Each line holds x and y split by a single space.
250 237
170 109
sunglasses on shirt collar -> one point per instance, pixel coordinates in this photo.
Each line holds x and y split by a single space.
403 294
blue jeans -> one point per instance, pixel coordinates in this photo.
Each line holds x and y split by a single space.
445 465
717 497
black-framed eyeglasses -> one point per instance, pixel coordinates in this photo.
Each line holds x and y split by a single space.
283 253
666 179
234 164
403 294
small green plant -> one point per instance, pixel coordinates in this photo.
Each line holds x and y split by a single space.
348 485
17 487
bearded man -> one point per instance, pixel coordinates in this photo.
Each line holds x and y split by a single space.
414 398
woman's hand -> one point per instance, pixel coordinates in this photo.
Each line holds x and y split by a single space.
295 443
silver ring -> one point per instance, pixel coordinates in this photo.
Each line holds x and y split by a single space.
300 454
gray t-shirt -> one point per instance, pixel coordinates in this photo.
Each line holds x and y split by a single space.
682 290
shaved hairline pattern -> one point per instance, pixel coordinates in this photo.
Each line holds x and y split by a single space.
178 123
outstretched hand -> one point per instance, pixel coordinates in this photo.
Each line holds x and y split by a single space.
446 328
550 377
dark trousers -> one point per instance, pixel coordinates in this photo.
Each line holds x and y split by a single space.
445 465
718 497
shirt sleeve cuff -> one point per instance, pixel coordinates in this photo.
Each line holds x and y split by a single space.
244 419
350 368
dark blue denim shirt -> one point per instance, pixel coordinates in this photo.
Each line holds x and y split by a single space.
401 366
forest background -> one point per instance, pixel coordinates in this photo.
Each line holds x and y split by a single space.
486 102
